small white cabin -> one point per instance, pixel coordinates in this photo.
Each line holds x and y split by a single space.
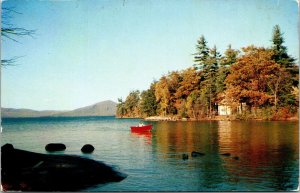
224 110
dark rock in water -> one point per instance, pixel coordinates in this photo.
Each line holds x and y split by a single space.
236 158
196 154
87 148
29 171
185 156
226 154
55 147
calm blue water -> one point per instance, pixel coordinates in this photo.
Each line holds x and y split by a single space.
268 152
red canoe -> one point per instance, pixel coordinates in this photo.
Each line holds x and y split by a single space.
142 128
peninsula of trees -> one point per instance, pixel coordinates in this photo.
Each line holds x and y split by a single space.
251 83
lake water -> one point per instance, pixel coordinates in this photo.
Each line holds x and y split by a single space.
268 152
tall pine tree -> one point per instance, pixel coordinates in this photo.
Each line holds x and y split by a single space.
207 60
202 53
229 58
281 56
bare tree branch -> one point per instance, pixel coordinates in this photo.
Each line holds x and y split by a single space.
17 32
11 32
10 62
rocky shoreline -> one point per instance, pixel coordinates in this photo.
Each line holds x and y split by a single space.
161 118
215 118
28 171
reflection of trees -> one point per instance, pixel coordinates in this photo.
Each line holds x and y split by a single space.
179 137
267 151
285 177
175 138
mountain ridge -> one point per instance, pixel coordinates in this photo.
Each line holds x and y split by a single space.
103 108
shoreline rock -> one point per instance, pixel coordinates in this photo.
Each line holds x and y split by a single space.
55 147
87 148
29 171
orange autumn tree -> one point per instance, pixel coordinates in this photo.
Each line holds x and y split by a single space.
189 82
162 95
172 90
255 78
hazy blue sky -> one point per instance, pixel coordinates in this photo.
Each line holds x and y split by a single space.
88 51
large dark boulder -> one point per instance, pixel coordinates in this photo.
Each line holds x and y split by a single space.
87 148
29 171
55 147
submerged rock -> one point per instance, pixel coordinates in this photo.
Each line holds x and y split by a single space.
29 171
185 156
196 154
55 147
87 148
226 154
236 158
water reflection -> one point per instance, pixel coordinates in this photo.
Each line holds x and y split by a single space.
146 135
262 154
265 152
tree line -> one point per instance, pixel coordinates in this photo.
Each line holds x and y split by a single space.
254 82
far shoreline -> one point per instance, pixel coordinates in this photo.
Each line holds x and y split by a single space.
216 118
164 118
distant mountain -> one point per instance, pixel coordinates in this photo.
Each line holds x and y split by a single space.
14 113
105 108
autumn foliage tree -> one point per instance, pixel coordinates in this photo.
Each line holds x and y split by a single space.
162 94
189 82
256 79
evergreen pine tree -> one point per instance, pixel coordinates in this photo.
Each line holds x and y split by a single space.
280 51
281 56
202 53
230 57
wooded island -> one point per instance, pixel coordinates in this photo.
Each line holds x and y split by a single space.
251 83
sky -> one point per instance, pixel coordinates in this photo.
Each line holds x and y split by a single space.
87 51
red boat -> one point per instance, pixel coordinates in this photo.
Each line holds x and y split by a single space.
141 128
